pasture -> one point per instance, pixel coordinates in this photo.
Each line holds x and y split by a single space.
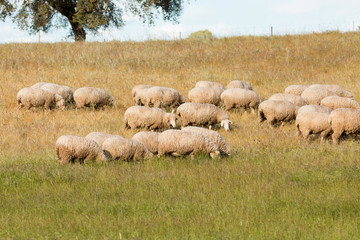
274 186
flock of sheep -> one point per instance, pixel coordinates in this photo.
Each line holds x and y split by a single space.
316 109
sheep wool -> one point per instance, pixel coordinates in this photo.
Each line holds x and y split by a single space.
99 137
160 97
314 108
240 98
32 97
314 95
136 95
294 99
146 117
178 142
310 122
296 89
119 148
205 95
64 91
92 97
341 92
335 102
202 114
344 121
214 136
70 149
149 139
275 112
239 84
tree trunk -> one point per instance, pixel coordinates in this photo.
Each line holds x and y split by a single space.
79 32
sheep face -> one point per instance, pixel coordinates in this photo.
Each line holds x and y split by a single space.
226 124
61 104
170 119
215 154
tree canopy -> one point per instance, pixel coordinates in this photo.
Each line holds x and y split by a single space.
85 15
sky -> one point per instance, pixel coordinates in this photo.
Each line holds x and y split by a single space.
223 18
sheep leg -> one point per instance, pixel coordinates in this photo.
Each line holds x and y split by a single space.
336 135
324 134
298 133
252 110
306 134
20 105
175 154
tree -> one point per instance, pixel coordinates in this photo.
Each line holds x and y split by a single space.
84 15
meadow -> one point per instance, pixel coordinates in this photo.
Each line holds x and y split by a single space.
274 186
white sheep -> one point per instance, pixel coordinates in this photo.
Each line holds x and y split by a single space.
240 98
205 95
294 99
275 112
214 136
202 114
335 102
119 148
178 143
209 84
30 97
296 89
314 95
314 108
92 97
149 139
344 121
99 137
160 97
239 84
38 85
311 122
146 117
63 91
341 92
136 95
71 149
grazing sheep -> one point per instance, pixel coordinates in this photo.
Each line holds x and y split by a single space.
314 95
99 137
205 95
64 91
310 122
119 148
296 89
336 89
294 99
160 97
31 97
335 102
70 149
178 142
314 108
202 114
146 117
38 85
240 98
214 136
92 97
344 121
277 111
209 84
239 84
136 95
149 139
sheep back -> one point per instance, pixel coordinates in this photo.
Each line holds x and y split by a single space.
314 95
344 120
314 108
99 137
277 111
205 95
34 97
308 122
294 99
92 97
336 89
335 102
149 139
239 98
239 84
296 89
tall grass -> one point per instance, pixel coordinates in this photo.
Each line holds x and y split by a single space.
274 186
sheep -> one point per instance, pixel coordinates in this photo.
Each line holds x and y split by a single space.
202 114
70 149
239 84
92 97
214 136
149 139
146 117
136 95
277 111
314 95
240 98
63 91
99 137
30 97
38 85
205 95
296 89
160 97
311 122
178 142
314 108
341 92
209 84
294 99
119 148
344 121
335 102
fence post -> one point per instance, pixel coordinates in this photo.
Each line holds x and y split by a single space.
271 31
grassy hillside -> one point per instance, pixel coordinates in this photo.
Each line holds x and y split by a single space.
274 186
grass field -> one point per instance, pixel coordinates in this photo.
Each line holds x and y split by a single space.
274 186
